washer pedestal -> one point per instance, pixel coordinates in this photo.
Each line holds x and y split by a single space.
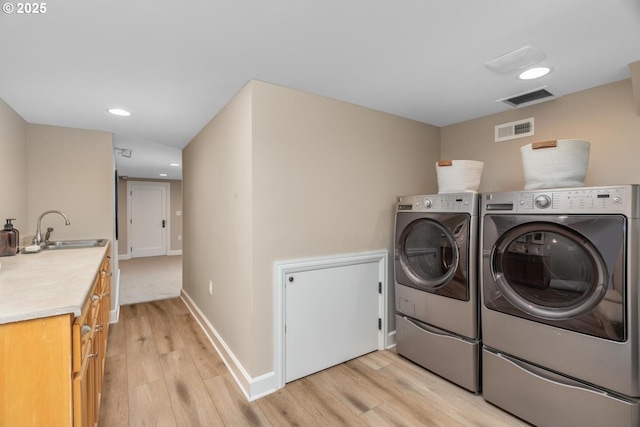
450 356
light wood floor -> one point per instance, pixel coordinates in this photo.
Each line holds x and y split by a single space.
161 370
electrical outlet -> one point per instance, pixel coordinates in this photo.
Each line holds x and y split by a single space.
210 287
179 236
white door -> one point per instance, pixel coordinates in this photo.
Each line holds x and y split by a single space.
147 219
331 316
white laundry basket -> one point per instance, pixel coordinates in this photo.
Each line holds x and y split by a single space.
555 164
458 176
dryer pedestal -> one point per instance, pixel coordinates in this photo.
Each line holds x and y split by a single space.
547 399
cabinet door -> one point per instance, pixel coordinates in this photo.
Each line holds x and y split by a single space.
102 328
35 360
85 393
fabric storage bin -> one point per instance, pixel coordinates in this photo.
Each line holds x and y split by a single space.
555 164
458 176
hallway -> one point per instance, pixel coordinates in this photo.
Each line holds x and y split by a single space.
150 279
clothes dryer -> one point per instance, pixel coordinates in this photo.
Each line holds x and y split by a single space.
559 279
436 291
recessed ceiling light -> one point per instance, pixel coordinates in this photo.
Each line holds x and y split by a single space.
163 174
534 73
174 164
119 112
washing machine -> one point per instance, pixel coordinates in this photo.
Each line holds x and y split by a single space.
559 291
436 291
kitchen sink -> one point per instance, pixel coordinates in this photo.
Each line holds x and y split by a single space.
74 244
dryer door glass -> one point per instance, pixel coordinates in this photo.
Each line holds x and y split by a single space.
549 271
566 271
430 256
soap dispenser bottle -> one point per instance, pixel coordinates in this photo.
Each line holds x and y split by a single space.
9 238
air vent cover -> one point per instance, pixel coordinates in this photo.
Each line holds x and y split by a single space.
514 130
528 98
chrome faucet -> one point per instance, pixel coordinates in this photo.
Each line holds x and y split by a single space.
48 235
38 239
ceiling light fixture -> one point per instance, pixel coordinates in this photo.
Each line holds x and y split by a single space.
174 164
163 174
516 60
119 112
534 73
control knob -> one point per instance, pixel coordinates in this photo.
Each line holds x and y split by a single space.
543 201
428 203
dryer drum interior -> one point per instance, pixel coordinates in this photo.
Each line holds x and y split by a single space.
564 277
428 253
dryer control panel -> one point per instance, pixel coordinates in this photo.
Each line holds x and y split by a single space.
576 200
598 200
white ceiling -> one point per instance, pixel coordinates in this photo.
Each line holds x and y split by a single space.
175 64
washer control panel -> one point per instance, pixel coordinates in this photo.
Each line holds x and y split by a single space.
572 200
454 202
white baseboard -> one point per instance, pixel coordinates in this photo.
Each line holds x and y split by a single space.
253 388
169 253
391 339
114 314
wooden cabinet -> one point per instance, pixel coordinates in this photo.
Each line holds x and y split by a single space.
90 331
51 368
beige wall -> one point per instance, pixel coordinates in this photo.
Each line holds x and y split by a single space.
71 170
49 167
606 116
218 223
279 175
325 178
175 221
13 168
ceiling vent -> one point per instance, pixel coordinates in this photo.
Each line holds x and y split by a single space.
528 98
514 130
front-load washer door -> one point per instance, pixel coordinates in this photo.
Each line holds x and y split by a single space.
567 272
431 253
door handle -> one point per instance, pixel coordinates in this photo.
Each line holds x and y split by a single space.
163 222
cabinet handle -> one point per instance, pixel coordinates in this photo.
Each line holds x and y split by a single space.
85 329
95 297
91 355
106 294
99 328
103 273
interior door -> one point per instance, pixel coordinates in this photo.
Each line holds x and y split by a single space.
147 219
331 316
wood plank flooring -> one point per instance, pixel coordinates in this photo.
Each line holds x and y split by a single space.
161 370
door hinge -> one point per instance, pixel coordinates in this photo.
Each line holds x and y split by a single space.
379 324
379 287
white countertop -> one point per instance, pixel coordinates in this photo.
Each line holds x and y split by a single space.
47 283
